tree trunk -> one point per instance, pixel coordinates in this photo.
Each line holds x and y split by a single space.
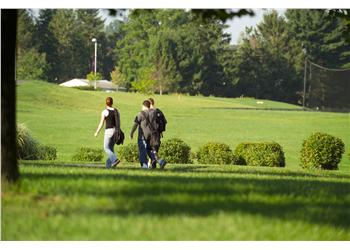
9 168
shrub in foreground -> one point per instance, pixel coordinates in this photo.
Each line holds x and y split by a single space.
215 153
87 155
268 154
175 151
27 146
129 153
322 151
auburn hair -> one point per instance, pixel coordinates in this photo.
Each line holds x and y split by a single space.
109 101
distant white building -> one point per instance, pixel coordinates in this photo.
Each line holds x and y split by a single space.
75 83
102 84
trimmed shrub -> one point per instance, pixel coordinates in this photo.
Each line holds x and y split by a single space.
175 150
215 153
321 151
268 154
129 153
48 153
87 155
27 146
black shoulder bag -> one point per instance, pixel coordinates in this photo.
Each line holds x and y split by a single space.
118 135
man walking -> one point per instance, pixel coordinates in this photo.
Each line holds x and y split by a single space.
144 134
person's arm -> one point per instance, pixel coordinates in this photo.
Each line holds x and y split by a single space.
100 124
137 122
133 129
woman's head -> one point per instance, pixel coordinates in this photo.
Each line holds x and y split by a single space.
109 101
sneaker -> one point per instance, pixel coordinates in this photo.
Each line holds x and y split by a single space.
115 163
144 166
162 164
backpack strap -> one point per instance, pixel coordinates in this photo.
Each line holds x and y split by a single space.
147 119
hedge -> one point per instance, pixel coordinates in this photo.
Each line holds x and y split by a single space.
260 154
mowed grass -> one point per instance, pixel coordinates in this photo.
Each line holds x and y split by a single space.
179 203
183 202
67 119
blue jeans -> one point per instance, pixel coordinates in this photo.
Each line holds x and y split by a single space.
108 146
144 151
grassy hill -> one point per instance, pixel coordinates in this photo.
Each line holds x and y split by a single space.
67 119
183 202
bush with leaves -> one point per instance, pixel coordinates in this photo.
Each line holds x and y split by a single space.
322 151
30 149
175 150
47 153
215 153
85 154
268 154
129 153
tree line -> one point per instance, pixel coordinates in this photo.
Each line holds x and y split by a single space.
173 50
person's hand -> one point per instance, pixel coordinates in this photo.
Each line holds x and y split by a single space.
96 134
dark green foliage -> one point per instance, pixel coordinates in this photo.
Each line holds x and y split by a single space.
263 48
175 151
321 151
48 153
129 153
268 154
215 153
87 154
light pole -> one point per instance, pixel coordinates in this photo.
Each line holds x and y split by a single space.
94 40
305 65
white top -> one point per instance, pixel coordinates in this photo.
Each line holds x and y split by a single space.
105 112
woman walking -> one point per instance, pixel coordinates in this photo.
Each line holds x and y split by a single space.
111 116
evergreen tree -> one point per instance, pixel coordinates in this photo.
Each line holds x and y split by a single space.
46 43
30 63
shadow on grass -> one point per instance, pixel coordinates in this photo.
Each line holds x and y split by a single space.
324 202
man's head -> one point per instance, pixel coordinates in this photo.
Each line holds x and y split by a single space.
146 105
151 100
109 101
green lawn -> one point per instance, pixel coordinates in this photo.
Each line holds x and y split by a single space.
183 202
67 119
180 203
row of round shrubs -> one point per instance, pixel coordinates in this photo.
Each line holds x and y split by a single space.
30 149
320 150
177 151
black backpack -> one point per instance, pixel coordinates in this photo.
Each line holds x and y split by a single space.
118 135
161 121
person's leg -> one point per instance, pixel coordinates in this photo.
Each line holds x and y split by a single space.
151 154
142 152
108 146
160 161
